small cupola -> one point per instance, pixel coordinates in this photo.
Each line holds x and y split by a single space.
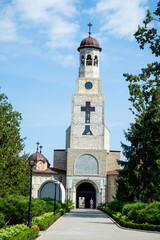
41 162
89 42
89 50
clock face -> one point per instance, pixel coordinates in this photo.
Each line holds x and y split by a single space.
88 85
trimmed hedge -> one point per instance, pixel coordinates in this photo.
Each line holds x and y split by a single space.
119 218
144 226
28 234
12 231
45 221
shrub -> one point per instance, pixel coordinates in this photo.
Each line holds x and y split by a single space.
41 218
123 221
39 207
142 212
2 222
28 234
16 209
116 205
45 220
131 209
11 231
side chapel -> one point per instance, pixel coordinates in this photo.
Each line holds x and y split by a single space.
86 168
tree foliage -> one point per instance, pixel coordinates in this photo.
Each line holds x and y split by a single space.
13 167
140 179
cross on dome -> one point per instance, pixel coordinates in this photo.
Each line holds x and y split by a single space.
37 145
90 25
41 149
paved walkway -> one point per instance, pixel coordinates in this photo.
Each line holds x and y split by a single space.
86 224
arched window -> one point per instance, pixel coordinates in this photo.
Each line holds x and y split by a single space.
89 60
82 60
48 188
86 164
96 61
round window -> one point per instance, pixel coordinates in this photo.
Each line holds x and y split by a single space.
88 85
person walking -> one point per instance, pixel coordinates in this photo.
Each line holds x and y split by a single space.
91 203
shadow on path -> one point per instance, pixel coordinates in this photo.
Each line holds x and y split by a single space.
86 214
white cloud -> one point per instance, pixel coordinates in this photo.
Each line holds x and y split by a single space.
7 25
62 33
52 19
43 10
120 18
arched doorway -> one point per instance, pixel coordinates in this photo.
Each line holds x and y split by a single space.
85 191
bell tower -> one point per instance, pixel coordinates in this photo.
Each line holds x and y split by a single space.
87 158
87 139
87 129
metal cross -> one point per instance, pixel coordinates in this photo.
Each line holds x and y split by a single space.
41 149
90 25
87 109
37 145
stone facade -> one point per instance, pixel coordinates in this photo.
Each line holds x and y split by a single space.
112 158
74 154
87 166
111 185
39 179
60 157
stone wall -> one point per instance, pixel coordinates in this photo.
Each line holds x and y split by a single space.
100 137
60 159
96 86
74 154
112 157
40 178
68 135
111 187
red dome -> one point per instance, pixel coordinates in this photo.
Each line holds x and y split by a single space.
89 42
38 156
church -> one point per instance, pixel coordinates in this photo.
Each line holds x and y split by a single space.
86 168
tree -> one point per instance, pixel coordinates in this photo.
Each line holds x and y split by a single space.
140 178
13 167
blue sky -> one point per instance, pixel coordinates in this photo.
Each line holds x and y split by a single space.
39 62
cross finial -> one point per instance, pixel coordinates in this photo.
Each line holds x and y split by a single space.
41 149
90 25
37 145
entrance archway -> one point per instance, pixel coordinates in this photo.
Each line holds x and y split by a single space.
85 191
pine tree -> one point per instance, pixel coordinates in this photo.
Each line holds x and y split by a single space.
140 179
14 169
